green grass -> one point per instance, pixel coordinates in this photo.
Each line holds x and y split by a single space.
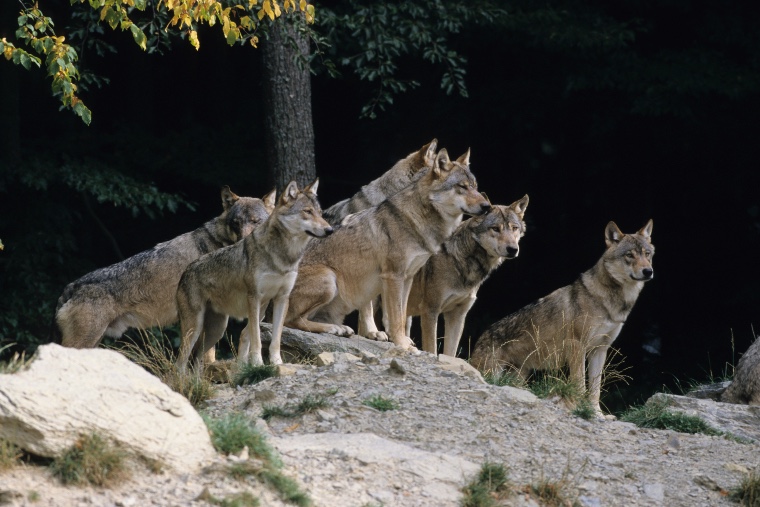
381 403
655 414
235 431
556 383
584 410
92 460
505 378
16 363
253 374
10 455
748 492
232 432
490 485
307 405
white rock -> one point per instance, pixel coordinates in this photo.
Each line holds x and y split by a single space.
66 393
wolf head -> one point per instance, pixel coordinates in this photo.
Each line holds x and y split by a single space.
499 231
299 211
453 188
243 214
628 257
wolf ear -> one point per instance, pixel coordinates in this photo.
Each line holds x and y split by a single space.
228 198
270 200
646 231
427 153
442 162
290 193
519 206
612 234
311 188
464 159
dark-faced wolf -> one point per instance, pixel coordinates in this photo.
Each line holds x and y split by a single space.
378 250
402 174
577 322
240 280
448 283
140 292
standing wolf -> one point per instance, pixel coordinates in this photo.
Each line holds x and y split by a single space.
378 251
450 280
575 322
394 179
140 291
240 280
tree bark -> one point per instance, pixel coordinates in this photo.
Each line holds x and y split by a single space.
289 131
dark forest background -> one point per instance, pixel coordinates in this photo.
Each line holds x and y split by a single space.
598 110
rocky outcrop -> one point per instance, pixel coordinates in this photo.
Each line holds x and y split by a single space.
745 388
65 393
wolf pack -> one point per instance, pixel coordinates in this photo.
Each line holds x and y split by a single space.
419 241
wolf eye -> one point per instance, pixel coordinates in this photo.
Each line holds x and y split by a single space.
629 255
496 228
309 211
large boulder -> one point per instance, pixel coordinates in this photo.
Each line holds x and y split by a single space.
65 393
745 387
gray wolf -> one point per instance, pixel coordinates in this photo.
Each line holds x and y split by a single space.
402 174
449 281
378 250
140 292
745 387
240 280
576 322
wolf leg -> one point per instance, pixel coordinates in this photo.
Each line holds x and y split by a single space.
190 327
315 288
394 309
429 325
454 322
596 359
279 309
214 325
367 326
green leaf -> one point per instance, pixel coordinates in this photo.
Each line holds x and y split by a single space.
81 110
25 61
139 36
140 4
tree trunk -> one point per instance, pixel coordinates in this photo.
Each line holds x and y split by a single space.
289 132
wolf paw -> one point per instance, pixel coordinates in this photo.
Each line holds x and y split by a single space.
254 359
275 359
340 330
404 342
380 336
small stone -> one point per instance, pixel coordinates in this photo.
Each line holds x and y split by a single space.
655 491
674 442
397 367
325 359
264 395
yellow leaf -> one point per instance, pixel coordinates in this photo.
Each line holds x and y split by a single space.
251 3
261 14
212 20
303 5
254 41
8 52
276 9
310 13
193 37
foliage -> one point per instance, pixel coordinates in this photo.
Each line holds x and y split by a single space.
91 460
381 403
655 414
490 485
556 383
253 374
36 30
748 492
238 22
244 499
505 378
373 40
583 409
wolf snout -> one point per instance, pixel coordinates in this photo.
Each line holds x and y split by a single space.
647 273
512 252
329 230
485 207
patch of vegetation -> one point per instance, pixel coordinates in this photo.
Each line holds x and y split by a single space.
381 403
232 432
655 414
33 496
554 492
10 455
307 405
92 460
556 383
584 410
244 499
505 378
155 354
490 486
748 492
17 362
253 374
